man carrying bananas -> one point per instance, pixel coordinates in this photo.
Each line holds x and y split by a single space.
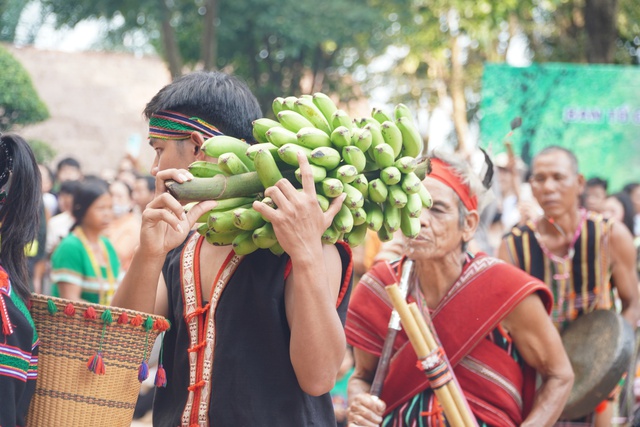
491 319
256 340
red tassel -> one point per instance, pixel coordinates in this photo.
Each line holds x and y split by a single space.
137 321
161 377
70 310
90 313
123 319
96 364
160 325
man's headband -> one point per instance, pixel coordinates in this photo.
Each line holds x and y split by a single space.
172 125
443 173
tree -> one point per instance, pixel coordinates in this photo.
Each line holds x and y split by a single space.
19 102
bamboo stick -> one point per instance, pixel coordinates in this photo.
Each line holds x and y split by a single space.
422 350
453 386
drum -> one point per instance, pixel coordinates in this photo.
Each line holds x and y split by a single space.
600 346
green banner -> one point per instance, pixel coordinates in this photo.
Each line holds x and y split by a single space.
592 110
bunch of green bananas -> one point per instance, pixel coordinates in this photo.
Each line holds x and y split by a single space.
372 160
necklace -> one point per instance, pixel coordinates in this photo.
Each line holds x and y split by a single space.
105 295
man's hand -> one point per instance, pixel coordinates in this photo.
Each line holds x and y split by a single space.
365 410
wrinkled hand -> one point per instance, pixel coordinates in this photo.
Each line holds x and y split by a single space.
165 224
298 220
365 410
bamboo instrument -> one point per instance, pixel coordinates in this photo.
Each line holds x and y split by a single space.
419 343
392 331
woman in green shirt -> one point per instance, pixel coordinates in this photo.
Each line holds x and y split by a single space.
85 265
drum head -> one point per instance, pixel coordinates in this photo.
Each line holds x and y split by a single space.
600 346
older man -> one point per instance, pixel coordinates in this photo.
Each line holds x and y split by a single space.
491 318
577 253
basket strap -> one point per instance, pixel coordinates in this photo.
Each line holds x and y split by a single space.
202 339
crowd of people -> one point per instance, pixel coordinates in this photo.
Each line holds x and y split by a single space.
502 267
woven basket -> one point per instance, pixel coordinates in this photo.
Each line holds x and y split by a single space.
67 392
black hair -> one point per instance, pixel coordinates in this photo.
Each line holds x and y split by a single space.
627 207
221 100
86 193
597 182
68 161
554 148
126 186
630 187
19 212
69 187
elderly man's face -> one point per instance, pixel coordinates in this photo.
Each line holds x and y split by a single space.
440 232
555 184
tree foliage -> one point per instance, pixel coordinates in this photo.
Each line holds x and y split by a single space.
19 102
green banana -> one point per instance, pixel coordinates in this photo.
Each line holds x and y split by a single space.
397 197
383 155
425 196
352 155
402 110
231 164
343 221
375 216
247 219
376 135
221 239
331 187
411 183
267 169
409 225
253 149
204 169
306 96
277 105
280 136
412 143
330 236
317 172
345 173
202 229
391 218
390 175
384 235
359 216
243 243
308 110
362 185
327 157
260 128
221 222
289 153
325 104
341 137
356 236
379 115
289 103
293 121
269 202
406 164
414 205
362 139
378 191
276 249
264 237
354 199
225 205
217 145
323 202
392 136
364 121
341 118
311 137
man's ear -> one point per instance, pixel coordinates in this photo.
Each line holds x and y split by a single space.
471 222
197 140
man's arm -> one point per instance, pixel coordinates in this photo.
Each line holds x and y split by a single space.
165 225
623 266
503 253
539 343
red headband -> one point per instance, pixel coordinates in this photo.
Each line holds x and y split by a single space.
443 173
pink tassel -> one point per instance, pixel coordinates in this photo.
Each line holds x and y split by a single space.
96 364
161 377
143 371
